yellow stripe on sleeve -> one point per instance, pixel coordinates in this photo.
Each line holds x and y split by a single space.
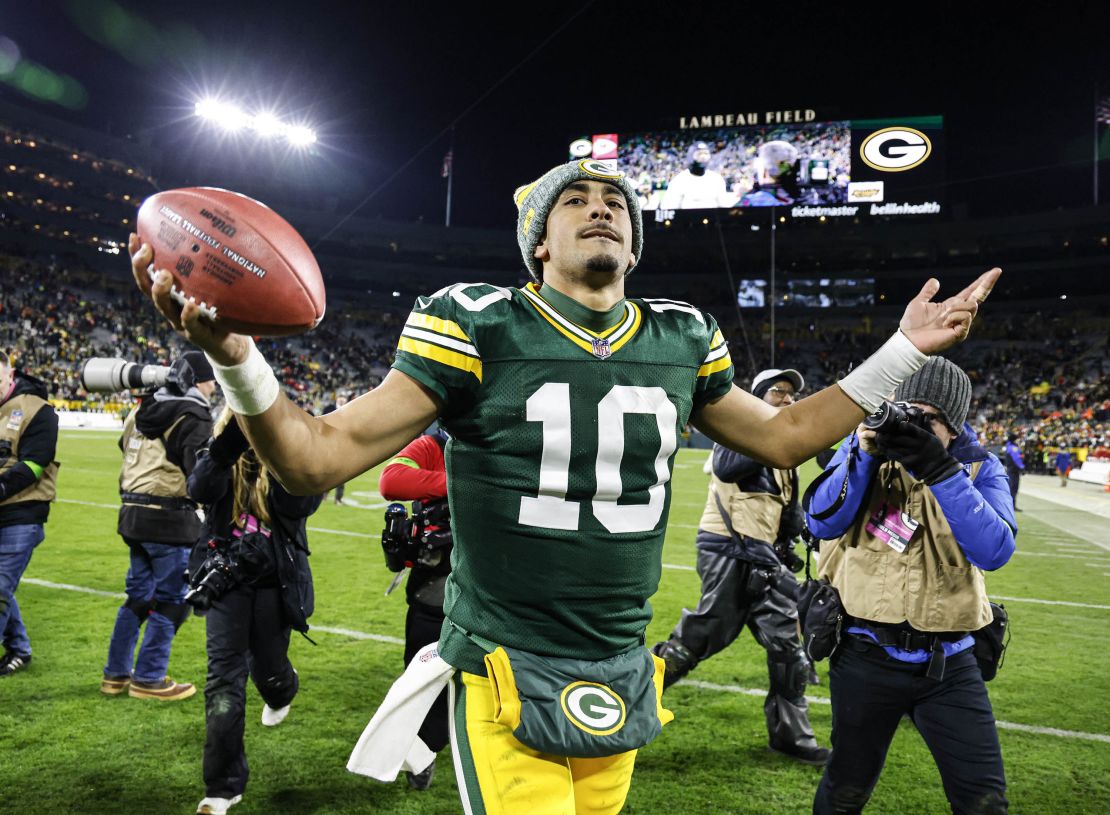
718 338
714 366
447 328
444 356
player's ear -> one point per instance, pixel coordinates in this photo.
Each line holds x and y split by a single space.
541 252
631 263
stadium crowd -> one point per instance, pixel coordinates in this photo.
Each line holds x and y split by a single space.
1051 391
56 314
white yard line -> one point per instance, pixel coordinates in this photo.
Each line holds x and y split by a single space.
756 692
310 529
1049 602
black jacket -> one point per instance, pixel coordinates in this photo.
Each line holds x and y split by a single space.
210 484
37 443
158 411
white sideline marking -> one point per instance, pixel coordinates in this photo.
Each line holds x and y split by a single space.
340 532
68 587
357 635
680 568
1057 554
814 700
1049 602
310 529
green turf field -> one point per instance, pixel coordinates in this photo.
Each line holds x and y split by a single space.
66 748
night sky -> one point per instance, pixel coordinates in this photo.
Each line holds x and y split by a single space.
383 81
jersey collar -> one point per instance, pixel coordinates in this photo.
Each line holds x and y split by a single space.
602 344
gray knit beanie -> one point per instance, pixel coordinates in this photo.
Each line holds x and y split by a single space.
534 202
943 385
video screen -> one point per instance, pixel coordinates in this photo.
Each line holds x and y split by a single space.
749 167
821 292
812 169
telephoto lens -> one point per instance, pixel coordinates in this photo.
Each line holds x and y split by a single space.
110 375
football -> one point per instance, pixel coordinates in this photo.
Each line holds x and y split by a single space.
241 262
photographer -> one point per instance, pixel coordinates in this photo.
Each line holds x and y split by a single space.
418 473
159 523
28 472
745 537
913 512
250 576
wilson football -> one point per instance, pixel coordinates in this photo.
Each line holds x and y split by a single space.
247 268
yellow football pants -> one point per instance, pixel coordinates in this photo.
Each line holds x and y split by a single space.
497 775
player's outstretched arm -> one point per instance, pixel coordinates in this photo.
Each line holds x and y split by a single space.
786 437
308 455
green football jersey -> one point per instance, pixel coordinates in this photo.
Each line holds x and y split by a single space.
559 465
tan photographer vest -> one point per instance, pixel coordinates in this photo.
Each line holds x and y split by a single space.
146 469
931 585
15 416
754 514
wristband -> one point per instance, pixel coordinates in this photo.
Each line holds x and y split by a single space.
879 376
249 387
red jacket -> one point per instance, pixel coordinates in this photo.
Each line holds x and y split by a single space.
417 473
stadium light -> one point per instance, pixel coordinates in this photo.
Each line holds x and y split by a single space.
266 124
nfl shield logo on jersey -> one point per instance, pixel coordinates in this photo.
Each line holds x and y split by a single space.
601 348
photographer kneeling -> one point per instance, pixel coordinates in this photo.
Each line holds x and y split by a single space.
913 511
250 576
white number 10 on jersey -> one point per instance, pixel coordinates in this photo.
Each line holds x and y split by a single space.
550 405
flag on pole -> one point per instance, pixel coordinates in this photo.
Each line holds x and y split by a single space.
447 159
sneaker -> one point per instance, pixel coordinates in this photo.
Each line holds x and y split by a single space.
12 662
423 779
271 717
815 756
217 806
114 685
165 690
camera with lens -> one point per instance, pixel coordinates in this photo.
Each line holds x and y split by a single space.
420 539
215 577
784 551
110 375
890 414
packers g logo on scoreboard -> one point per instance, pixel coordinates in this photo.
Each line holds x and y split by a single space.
593 708
895 149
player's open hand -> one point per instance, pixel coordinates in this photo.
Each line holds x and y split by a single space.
932 327
225 348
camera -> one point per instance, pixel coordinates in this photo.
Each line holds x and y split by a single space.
784 551
215 577
891 414
409 541
110 375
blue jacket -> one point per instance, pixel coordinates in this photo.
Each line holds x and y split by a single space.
981 513
1012 455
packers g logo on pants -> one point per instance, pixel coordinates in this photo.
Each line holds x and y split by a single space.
593 708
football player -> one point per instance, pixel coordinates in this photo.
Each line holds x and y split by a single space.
564 400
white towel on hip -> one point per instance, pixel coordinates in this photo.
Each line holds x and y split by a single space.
390 743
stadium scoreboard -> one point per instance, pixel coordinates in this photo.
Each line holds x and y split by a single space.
806 165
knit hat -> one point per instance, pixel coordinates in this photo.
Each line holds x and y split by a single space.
941 384
534 202
201 367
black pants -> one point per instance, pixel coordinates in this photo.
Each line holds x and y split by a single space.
1013 475
246 635
422 625
870 694
735 593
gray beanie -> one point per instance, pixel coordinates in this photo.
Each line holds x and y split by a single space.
943 385
534 202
